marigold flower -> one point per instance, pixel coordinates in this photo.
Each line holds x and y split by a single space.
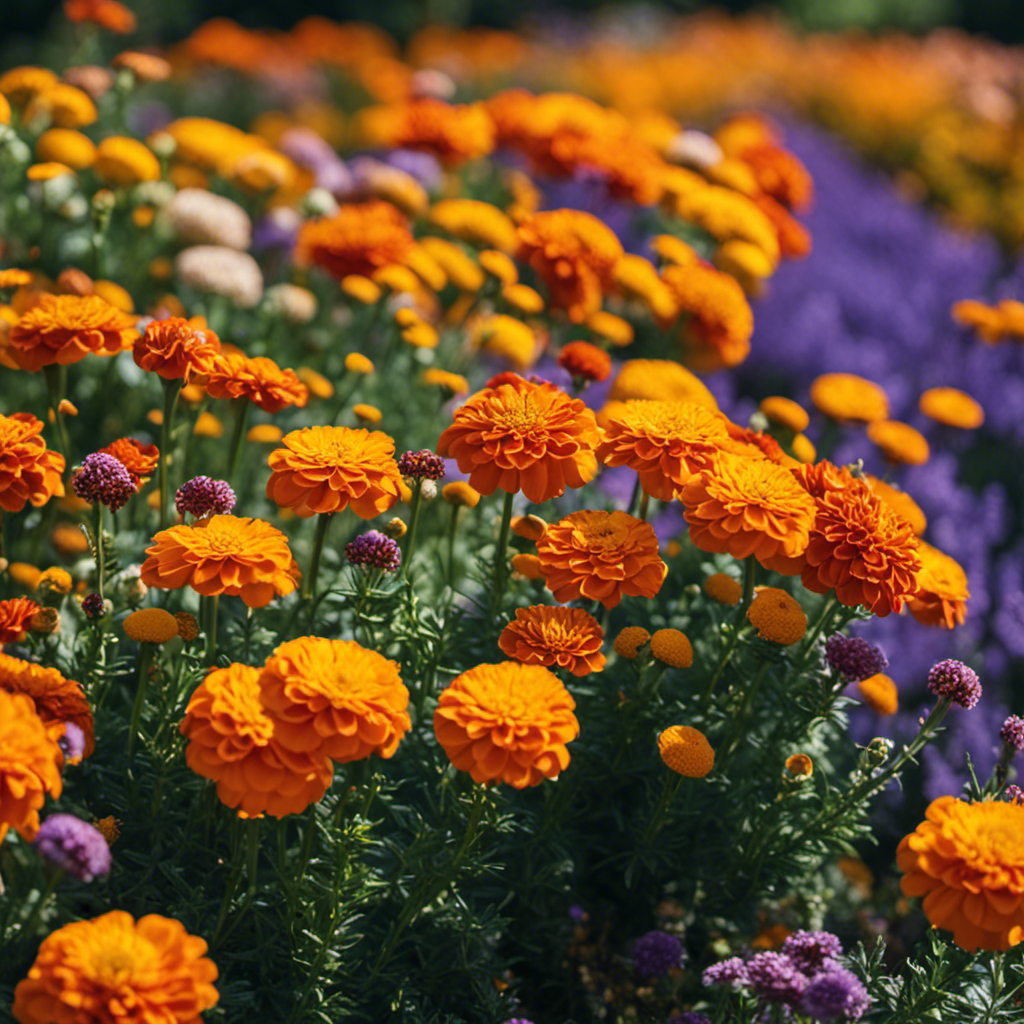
799 765
125 161
151 625
672 647
66 328
48 171
15 616
601 556
660 380
803 449
453 383
880 694
108 14
982 318
845 396
55 580
223 555
476 222
506 338
232 741
527 566
568 638
29 764
629 641
45 621
176 349
507 723
529 527
358 240
261 380
899 442
334 697
686 751
777 616
523 299
942 594
723 589
900 502
20 84
64 105
460 270
967 861
460 493
785 412
525 437
951 407
725 214
25 575
66 146
454 133
140 460
498 264
146 67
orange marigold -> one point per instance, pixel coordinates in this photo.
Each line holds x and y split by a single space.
723 589
329 469
259 379
659 380
15 616
880 694
66 328
629 641
575 255
777 616
176 349
667 443
108 14
785 412
113 967
967 861
568 638
223 555
686 751
900 502
942 595
521 436
359 239
454 133
231 741
601 556
952 407
29 471
845 396
899 442
585 361
139 459
30 763
672 647
507 723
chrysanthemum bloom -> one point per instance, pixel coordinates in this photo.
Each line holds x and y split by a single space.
900 502
967 861
942 594
258 379
223 555
575 255
667 443
93 972
204 218
55 581
334 697
57 700
453 132
29 764
629 641
139 459
231 741
524 437
176 349
655 954
375 550
507 723
659 380
777 616
102 479
723 589
785 412
899 442
746 507
151 625
601 556
686 751
756 444
15 616
568 638
672 647
880 694
203 496
853 657
951 407
359 239
69 844
329 469
29 471
956 682
66 328
845 396
585 362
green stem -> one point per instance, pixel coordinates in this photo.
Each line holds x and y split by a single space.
241 413
498 586
414 522
452 525
645 500
97 511
749 579
146 651
737 630
634 497
211 633
668 791
54 375
309 583
44 897
816 630
744 715
172 388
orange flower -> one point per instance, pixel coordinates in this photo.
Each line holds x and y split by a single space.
259 379
659 380
29 764
746 507
507 723
601 556
779 174
667 443
951 407
575 254
522 436
231 741
585 361
454 133
15 616
880 694
139 459
66 328
567 637
900 502
899 442
108 14
629 641
967 861
149 971
176 349
723 589
57 700
223 555
334 697
686 751
777 616
29 472
793 238
672 647
942 595
785 412
755 444
845 396
359 239
329 469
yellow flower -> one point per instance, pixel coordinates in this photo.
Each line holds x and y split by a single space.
880 694
672 647
777 616
686 751
124 161
151 625
356 362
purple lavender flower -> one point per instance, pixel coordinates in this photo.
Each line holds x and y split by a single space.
955 682
835 994
656 953
72 743
92 606
810 951
104 480
853 657
1012 733
731 973
374 550
421 465
775 978
204 496
74 846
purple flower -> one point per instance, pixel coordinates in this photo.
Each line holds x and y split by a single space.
518 1020
1012 733
731 973
72 743
656 953
375 550
1014 794
835 994
690 1017
955 682
204 496
775 978
809 951
104 480
853 657
74 846
92 606
421 465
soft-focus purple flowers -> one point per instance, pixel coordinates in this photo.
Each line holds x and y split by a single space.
656 953
72 845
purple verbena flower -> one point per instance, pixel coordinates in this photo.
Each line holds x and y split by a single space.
103 480
1014 794
374 550
72 743
835 994
809 951
1012 733
656 953
853 657
74 846
421 465
775 978
203 496
92 606
731 973
956 682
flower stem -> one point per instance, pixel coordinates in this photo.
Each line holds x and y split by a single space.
452 526
172 388
498 586
749 579
309 583
100 556
44 897
414 522
146 650
55 392
645 500
241 412
668 791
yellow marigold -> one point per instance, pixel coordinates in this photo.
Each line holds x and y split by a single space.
942 595
91 972
360 288
223 555
367 413
356 362
523 299
785 412
568 638
454 133
460 493
777 616
64 105
527 566
176 348
259 379
29 471
575 254
48 171
453 383
507 338
188 627
319 386
108 827
522 436
21 83
69 539
261 170
779 174
55 580
686 751
421 335
207 425
981 318
629 641
900 502
601 556
25 575
845 396
12 277
507 723
611 328
899 442
659 380
672 647
725 214
329 469
498 264
66 328
125 161
264 433
232 741
334 697
967 861
723 589
803 449
636 278
460 270
880 694
359 239
528 527
951 407
151 625
30 763
799 765
476 222
66 146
